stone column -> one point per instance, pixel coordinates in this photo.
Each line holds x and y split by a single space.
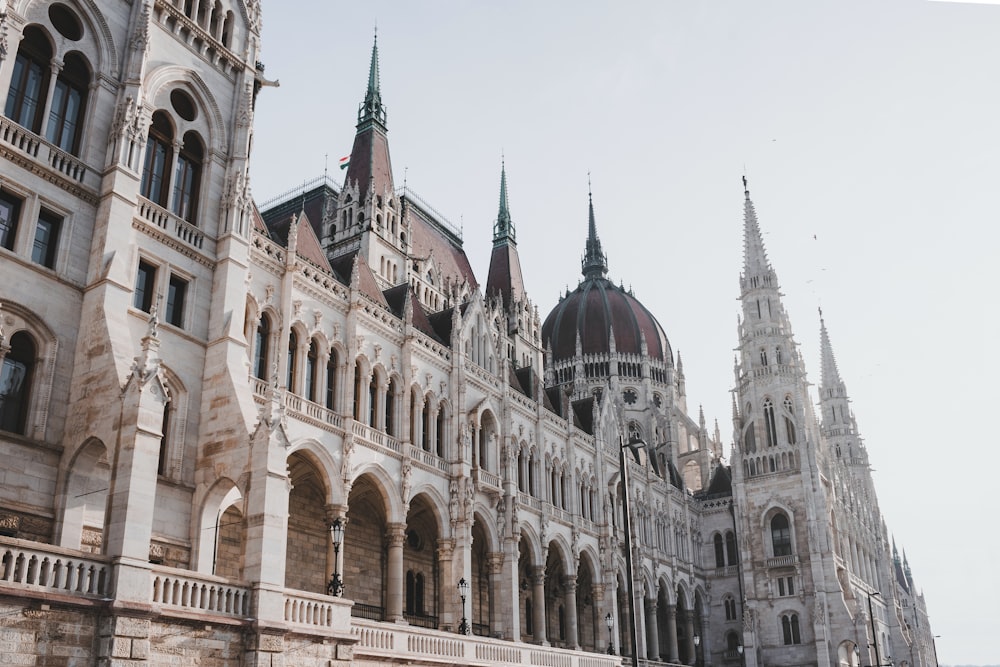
56 66
495 562
396 534
652 630
689 634
572 622
538 604
672 632
705 634
447 592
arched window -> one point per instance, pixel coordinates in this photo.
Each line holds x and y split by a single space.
15 383
426 427
260 347
293 345
769 427
750 440
732 557
730 604
390 407
789 423
311 358
30 81
372 403
331 380
720 553
790 629
732 639
521 469
781 535
187 177
69 100
159 153
441 424
161 464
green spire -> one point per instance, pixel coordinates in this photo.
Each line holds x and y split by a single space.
503 230
372 108
595 262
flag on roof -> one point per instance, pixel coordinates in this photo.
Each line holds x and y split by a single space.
344 161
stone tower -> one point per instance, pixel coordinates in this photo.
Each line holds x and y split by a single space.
779 496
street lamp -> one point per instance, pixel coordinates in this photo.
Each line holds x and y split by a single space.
633 444
463 592
336 585
610 622
871 617
697 643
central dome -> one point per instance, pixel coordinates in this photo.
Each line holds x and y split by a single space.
593 311
597 310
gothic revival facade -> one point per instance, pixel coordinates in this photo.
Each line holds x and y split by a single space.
304 433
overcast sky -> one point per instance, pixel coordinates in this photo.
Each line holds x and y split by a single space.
868 131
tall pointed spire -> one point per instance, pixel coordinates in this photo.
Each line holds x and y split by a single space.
505 266
595 263
830 374
757 271
372 109
503 230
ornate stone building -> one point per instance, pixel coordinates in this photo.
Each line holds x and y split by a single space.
286 434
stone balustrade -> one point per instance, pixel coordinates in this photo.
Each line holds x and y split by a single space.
44 567
193 591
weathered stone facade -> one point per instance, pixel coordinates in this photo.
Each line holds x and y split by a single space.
195 391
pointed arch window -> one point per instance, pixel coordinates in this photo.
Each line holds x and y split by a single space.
750 440
159 154
732 557
331 380
291 376
30 81
769 424
790 629
720 553
69 100
16 376
312 358
187 177
161 464
390 408
781 535
262 339
789 421
730 604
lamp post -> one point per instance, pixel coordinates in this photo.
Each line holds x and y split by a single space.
336 585
697 651
609 620
463 592
633 444
871 616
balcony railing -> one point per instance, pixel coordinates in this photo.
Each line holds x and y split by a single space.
377 437
487 478
393 641
37 149
727 571
53 569
781 561
172 225
191 591
316 611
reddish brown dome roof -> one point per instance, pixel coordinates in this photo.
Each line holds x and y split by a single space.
595 307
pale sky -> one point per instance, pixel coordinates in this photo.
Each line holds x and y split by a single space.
869 133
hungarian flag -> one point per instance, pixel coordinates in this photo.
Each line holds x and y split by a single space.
344 161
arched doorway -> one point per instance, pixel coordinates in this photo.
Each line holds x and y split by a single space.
421 571
365 549
482 605
308 537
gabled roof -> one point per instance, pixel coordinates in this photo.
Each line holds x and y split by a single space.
583 414
429 238
721 483
307 245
